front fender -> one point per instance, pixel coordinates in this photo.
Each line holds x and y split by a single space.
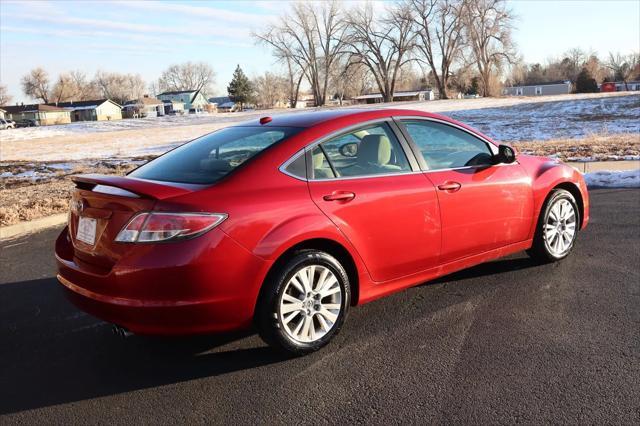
548 174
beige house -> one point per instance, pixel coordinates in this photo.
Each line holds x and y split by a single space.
2 113
43 115
95 110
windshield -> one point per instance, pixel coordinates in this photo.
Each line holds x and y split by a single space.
213 156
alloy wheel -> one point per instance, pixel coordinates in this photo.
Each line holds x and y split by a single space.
310 304
560 227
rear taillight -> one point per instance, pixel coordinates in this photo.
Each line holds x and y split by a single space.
155 227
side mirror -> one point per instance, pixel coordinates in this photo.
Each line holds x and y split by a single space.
349 149
506 155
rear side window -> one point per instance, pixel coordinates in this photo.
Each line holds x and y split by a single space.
368 151
213 156
446 147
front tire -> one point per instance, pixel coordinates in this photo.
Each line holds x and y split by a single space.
304 303
557 228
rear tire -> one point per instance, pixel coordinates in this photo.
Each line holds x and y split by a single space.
303 303
557 228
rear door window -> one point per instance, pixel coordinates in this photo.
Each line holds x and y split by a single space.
213 156
368 151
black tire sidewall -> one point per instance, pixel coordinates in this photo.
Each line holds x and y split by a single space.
268 319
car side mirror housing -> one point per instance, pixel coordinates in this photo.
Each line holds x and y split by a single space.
506 155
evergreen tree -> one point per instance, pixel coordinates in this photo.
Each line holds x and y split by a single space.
585 83
240 89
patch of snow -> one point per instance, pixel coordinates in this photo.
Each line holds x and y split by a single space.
60 166
613 179
569 119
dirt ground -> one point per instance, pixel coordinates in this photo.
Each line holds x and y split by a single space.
25 199
600 147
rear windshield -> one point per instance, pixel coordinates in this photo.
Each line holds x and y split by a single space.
213 156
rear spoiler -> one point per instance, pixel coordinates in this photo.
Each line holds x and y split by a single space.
144 188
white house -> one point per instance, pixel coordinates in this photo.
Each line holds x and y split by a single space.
94 110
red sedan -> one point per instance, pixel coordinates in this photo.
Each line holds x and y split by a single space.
285 223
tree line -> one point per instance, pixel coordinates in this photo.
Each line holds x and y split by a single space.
120 87
340 50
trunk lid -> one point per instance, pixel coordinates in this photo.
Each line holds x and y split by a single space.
101 206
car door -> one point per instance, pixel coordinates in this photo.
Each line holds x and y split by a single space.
365 183
483 205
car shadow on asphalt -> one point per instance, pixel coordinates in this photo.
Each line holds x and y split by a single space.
51 353
494 267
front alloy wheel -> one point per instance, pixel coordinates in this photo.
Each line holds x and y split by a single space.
303 303
560 227
557 228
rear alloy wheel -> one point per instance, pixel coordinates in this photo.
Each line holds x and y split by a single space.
304 304
557 228
310 304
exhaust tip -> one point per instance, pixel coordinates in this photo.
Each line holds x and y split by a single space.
120 331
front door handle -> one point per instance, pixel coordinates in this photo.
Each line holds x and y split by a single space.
449 186
339 196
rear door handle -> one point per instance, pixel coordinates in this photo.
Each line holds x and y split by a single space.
340 196
449 186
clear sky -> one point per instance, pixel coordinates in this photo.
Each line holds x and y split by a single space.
145 37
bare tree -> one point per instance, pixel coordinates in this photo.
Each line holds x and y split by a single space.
311 37
120 87
188 76
84 89
383 44
623 66
440 28
294 77
350 79
36 84
63 90
271 90
488 26
5 97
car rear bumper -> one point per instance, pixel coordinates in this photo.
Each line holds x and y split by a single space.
214 289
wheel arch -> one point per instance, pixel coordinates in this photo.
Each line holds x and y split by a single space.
573 189
328 246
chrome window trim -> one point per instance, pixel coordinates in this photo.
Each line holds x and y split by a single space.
470 167
366 176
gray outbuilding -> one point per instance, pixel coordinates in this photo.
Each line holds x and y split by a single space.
557 88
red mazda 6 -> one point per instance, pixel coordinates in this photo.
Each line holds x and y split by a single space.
285 223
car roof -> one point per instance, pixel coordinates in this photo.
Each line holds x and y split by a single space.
310 119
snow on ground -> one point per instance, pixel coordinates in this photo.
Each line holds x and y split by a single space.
613 179
556 120
504 119
494 116
82 127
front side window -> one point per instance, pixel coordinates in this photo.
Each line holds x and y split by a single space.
213 156
446 147
371 150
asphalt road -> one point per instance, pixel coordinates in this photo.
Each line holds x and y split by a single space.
503 342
